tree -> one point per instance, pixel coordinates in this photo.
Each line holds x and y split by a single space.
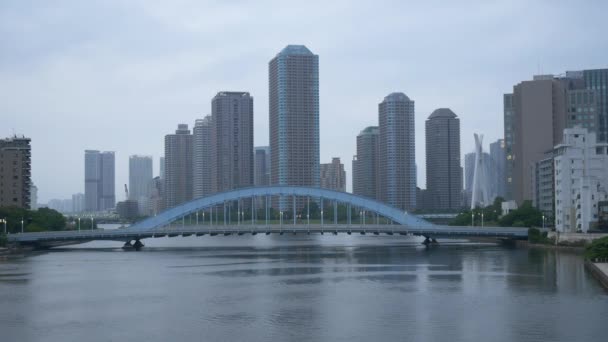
598 249
524 216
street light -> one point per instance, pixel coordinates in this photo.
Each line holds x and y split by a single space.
281 218
91 222
472 218
543 221
79 224
4 221
22 225
482 219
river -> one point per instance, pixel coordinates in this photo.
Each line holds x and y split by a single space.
300 288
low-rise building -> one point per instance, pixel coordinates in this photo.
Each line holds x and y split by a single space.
581 180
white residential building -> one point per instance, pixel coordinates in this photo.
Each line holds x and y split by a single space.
581 180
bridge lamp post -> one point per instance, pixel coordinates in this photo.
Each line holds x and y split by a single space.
79 224
22 224
543 221
321 217
472 219
197 218
91 222
281 218
203 217
482 219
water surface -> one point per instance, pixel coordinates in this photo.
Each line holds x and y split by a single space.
299 288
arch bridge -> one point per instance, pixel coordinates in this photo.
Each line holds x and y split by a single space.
217 207
212 215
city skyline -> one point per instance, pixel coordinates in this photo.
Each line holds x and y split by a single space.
102 83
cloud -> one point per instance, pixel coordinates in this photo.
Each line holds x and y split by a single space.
116 75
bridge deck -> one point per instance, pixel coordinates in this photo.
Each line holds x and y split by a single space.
127 234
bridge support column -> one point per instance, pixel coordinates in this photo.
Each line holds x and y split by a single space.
266 210
335 212
138 245
253 213
321 211
429 241
308 210
348 214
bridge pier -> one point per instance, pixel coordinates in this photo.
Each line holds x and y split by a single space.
137 245
429 241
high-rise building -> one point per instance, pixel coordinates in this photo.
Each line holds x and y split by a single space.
539 119
509 131
498 168
581 180
78 203
15 172
178 167
161 165
108 183
140 175
333 175
261 169
469 171
99 182
397 152
443 172
365 163
231 141
201 158
34 197
576 99
597 81
294 117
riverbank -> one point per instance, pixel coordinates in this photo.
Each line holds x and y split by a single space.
599 271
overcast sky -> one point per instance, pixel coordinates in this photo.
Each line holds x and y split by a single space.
119 75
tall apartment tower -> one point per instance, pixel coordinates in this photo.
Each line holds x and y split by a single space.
99 180
178 167
333 176
597 81
140 176
108 183
443 172
231 141
539 118
15 172
201 158
397 152
161 166
294 117
469 169
509 132
498 163
261 168
365 163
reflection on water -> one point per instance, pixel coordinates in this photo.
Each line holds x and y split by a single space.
299 288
